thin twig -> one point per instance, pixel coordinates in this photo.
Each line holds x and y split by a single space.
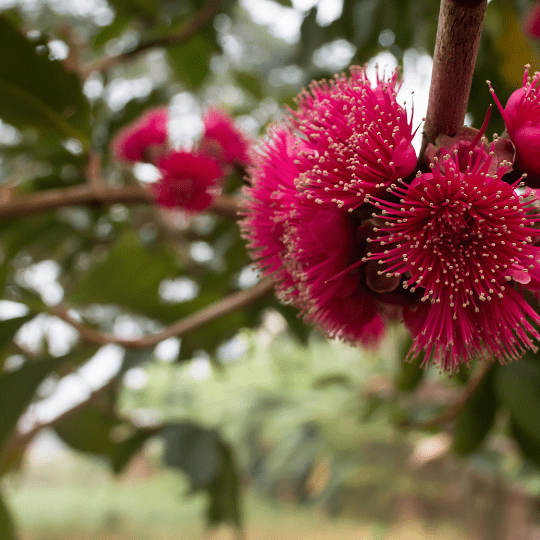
230 303
104 196
201 19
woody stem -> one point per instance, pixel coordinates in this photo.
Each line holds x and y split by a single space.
456 47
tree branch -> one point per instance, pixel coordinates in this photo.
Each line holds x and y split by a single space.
201 19
458 37
230 303
87 194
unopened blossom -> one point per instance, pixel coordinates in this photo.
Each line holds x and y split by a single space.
358 138
522 119
135 142
224 139
188 180
464 240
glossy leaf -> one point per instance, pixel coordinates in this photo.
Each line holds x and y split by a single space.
36 91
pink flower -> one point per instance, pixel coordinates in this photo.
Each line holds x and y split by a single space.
522 119
323 257
532 21
268 203
187 180
358 138
463 239
224 139
133 143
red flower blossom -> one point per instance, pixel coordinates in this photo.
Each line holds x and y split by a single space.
522 119
133 142
463 237
224 139
268 202
358 138
187 180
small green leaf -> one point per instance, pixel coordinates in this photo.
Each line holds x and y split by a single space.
251 82
125 450
410 373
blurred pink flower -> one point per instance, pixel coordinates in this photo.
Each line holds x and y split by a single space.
532 21
223 139
132 143
187 180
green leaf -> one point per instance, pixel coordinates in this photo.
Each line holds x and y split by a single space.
251 82
225 494
191 61
476 418
195 451
7 528
125 450
517 385
410 373
321 383
88 430
530 448
8 329
38 92
17 389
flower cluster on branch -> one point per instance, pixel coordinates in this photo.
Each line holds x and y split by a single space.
354 236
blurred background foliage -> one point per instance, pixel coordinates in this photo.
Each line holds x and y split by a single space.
253 401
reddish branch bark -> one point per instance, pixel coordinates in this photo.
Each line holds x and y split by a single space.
458 37
90 194
230 303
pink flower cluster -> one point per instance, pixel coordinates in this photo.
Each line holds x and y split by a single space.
189 179
354 236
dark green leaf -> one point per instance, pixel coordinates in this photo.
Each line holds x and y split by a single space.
191 61
8 329
251 82
38 92
195 451
477 416
17 389
530 448
7 528
518 387
410 373
88 430
224 492
125 450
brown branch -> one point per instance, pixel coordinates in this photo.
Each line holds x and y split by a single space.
458 37
451 412
87 194
230 303
201 19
